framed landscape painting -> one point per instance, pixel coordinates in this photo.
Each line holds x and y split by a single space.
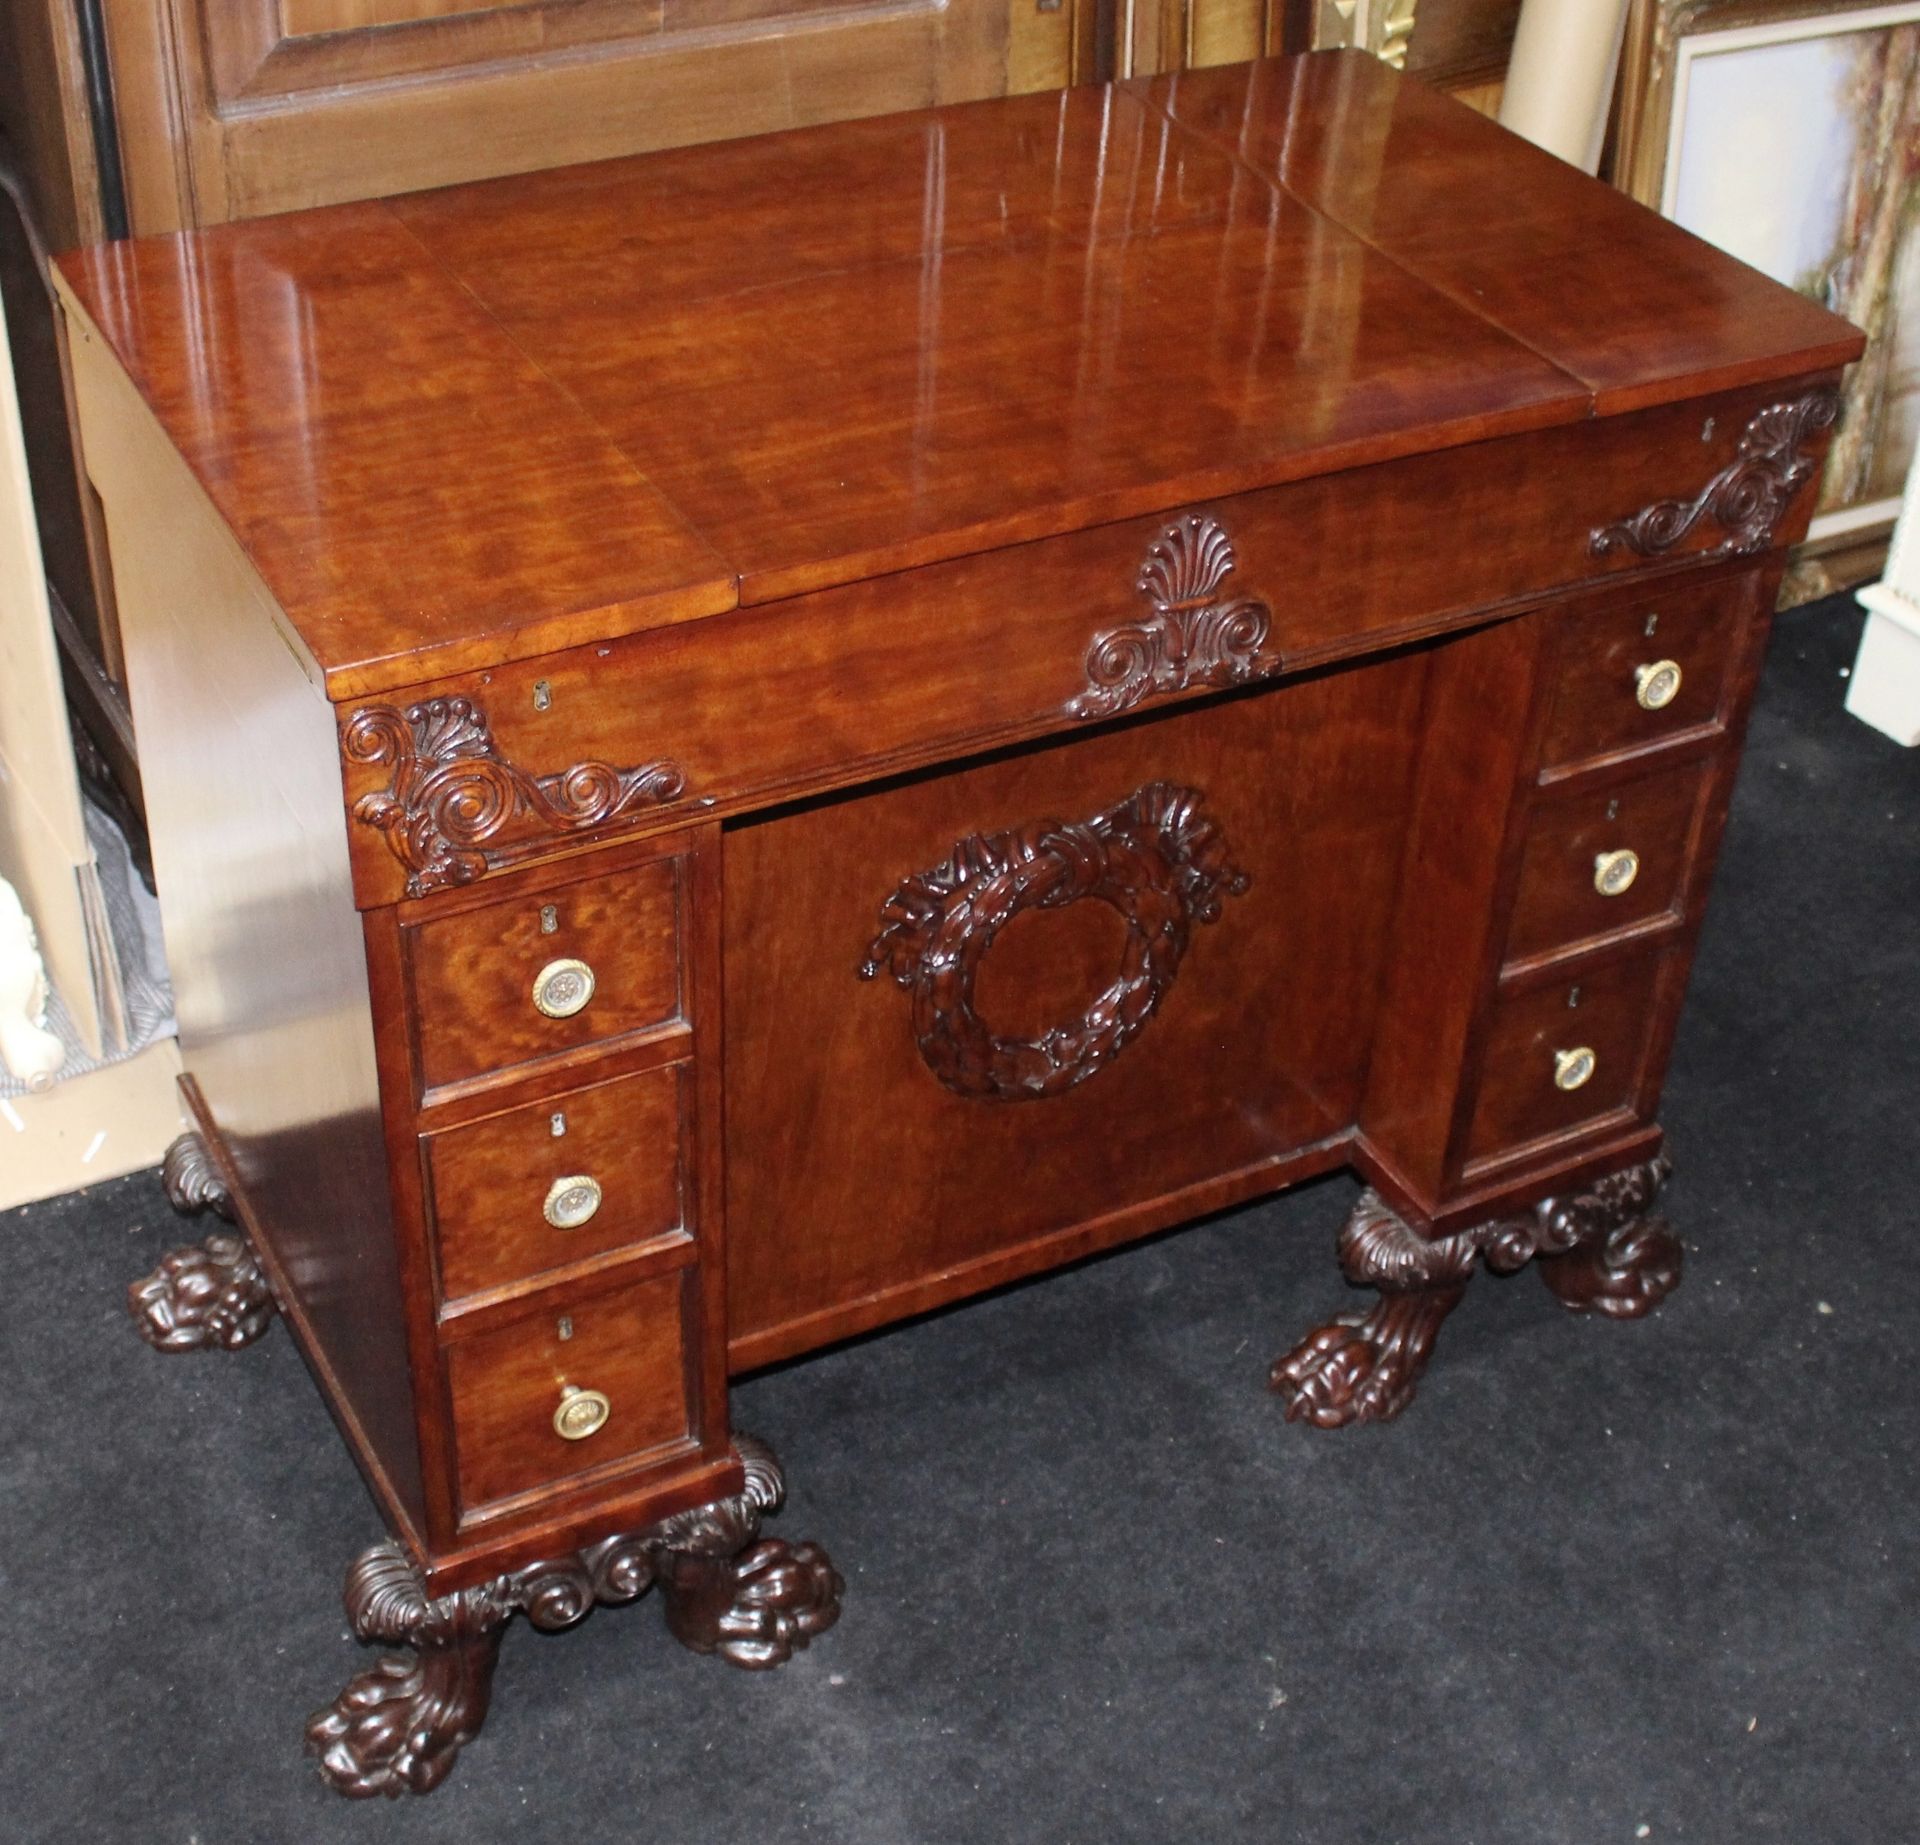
1788 133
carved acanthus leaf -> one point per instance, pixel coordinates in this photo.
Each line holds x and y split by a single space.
456 809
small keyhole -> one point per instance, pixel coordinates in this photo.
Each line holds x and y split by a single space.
549 918
542 695
557 1121
1613 810
566 1326
1573 997
1653 621
1706 430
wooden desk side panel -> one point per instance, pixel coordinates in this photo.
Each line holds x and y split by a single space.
250 855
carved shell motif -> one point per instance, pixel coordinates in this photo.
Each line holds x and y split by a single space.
1193 636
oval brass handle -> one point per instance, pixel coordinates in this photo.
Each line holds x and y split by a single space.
1614 872
581 1413
562 988
1572 1069
1656 685
571 1201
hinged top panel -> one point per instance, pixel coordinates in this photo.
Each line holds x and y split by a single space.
470 426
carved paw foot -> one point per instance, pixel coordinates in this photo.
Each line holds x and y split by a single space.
397 1727
1624 1274
756 1609
207 1296
1364 1368
192 1181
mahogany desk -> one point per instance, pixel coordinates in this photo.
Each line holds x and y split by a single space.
748 741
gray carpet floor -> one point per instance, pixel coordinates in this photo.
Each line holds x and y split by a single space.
1601 1583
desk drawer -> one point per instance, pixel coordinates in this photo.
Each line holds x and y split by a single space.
1598 861
1640 672
1531 1085
622 1355
575 1175
560 965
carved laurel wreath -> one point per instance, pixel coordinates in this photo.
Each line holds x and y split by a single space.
455 808
1154 859
1747 497
1194 635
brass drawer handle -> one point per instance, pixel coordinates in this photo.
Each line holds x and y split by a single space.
571 1201
1656 685
581 1413
1573 1069
562 988
1614 872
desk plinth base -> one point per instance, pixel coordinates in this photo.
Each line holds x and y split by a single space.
1599 1252
397 1727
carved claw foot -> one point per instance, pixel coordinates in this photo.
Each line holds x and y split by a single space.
1598 1251
206 1296
1364 1368
398 1726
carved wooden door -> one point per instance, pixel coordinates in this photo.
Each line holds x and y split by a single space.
235 108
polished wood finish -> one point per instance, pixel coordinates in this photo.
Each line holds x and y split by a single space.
1060 667
488 1181
475 971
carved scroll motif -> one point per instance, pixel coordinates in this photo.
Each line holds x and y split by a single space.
1746 498
456 809
1193 637
1155 859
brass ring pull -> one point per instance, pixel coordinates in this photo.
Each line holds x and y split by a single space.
1656 685
1614 872
1574 1069
562 988
581 1413
571 1201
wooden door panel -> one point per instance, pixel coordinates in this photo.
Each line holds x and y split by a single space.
238 108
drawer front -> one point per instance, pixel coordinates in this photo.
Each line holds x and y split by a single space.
1600 860
1055 635
627 1346
576 1175
499 985
1520 1099
1637 673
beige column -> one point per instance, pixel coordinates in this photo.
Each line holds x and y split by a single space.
1560 82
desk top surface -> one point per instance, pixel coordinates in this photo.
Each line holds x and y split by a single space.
469 426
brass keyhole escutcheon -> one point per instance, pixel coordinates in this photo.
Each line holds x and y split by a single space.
581 1413
1614 872
562 988
571 1201
1656 685
1573 1069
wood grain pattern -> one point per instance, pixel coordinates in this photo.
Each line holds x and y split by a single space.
1557 904
473 970
506 1384
489 1180
1595 710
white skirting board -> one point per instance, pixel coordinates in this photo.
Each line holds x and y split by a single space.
1885 688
